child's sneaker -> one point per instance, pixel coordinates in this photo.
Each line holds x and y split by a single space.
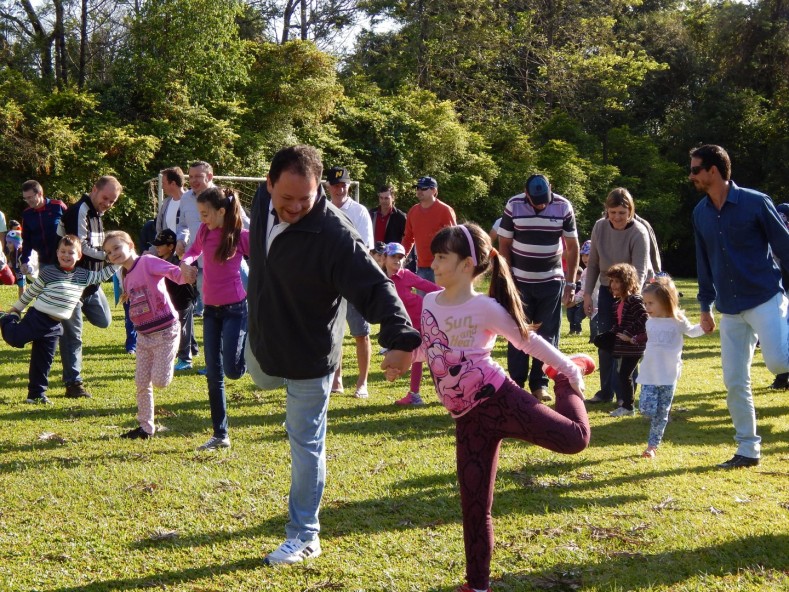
649 453
622 412
584 362
294 551
410 399
182 365
214 443
136 434
40 400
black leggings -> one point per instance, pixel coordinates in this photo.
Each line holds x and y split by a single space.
627 365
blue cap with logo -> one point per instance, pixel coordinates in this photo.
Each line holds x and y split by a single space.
586 248
394 249
539 190
426 183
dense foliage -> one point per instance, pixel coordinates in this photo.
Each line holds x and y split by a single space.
477 94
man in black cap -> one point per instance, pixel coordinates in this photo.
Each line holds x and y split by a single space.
536 228
423 222
339 181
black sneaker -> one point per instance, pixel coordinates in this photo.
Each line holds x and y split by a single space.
599 397
781 383
76 390
136 434
739 462
40 400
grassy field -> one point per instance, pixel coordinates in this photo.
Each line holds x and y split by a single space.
81 509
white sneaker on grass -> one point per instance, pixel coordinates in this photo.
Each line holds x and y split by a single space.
621 412
214 443
294 551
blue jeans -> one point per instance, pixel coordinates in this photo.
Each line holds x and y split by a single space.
44 332
199 306
187 345
131 332
542 304
224 338
426 273
305 419
738 340
97 310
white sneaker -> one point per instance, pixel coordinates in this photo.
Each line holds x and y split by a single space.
621 412
294 551
214 443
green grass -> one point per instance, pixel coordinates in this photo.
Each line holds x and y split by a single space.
95 512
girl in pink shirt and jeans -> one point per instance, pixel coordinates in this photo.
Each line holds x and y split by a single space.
459 329
154 318
222 242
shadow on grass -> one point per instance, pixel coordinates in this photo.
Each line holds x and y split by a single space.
757 554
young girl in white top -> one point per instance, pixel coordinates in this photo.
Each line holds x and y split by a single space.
459 329
662 361
154 319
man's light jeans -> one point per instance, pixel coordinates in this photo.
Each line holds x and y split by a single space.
766 323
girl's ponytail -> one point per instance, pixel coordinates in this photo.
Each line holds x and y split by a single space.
469 240
218 197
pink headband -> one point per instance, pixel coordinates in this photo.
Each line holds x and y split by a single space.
470 244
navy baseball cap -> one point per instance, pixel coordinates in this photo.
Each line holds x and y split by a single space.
426 183
165 237
538 190
338 175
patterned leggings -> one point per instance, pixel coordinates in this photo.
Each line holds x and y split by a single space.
155 355
510 413
655 402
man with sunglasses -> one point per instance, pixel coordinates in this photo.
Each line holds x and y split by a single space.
737 231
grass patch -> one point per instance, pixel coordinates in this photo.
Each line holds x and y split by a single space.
81 509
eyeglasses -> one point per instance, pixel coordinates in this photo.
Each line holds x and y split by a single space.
695 170
29 197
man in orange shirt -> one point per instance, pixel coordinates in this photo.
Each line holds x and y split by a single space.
423 222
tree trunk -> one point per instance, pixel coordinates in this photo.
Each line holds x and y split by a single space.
42 39
83 44
59 32
303 20
286 16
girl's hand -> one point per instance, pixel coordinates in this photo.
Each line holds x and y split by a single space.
579 388
124 298
396 363
189 272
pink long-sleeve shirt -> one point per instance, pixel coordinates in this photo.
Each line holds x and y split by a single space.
405 281
221 279
150 307
457 341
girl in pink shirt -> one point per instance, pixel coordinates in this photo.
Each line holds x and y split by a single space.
154 318
405 281
222 242
459 329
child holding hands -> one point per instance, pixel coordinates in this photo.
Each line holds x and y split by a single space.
459 329
154 318
662 361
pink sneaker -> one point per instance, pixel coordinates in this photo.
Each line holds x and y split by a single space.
584 362
410 399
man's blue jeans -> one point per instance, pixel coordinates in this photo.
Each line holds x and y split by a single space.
224 339
542 304
97 310
766 323
305 419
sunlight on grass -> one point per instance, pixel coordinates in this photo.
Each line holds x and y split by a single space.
84 510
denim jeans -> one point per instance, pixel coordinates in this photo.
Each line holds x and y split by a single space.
426 273
131 332
97 310
199 306
224 338
305 420
542 304
187 345
738 339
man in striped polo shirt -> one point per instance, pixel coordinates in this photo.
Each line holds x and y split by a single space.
530 239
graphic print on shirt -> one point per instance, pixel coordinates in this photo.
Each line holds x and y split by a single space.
139 302
457 380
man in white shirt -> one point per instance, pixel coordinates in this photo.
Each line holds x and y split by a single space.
339 182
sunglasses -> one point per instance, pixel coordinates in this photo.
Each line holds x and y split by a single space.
695 170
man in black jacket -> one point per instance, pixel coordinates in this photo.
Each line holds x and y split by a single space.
305 258
83 219
388 221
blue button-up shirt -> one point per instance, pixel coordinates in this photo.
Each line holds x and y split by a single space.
734 247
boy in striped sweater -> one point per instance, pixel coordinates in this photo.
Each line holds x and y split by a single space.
56 292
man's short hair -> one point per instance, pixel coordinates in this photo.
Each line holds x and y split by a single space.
201 164
713 155
106 180
301 160
174 175
33 185
385 188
